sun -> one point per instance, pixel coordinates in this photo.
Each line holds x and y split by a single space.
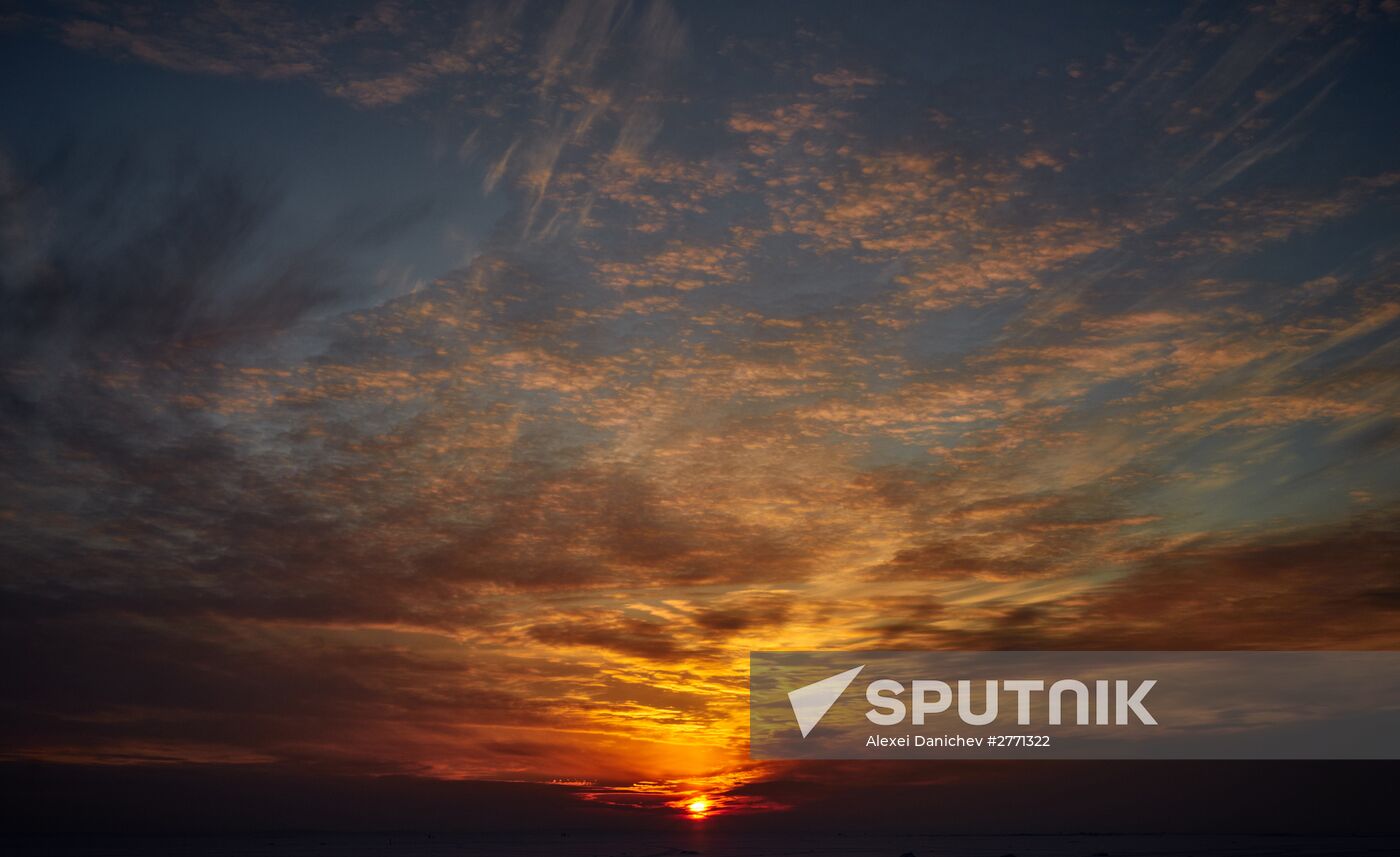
698 806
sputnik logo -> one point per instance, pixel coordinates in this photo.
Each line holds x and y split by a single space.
811 703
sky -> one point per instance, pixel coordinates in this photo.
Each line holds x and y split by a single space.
456 393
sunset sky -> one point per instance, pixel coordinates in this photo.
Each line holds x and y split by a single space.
461 391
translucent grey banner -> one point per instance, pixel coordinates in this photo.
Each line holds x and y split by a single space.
1074 705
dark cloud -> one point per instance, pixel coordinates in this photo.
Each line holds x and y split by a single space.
1329 587
1325 587
627 636
747 611
125 252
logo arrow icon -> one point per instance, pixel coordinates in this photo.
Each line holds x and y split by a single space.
811 703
